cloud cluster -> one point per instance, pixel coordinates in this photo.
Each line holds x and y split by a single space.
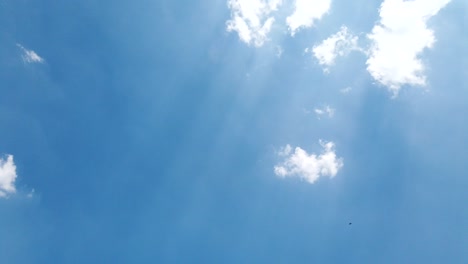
309 167
253 19
396 43
7 176
393 57
338 44
29 56
398 40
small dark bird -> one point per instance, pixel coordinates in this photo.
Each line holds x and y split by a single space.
350 223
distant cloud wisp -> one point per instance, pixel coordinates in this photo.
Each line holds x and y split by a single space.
346 90
309 167
326 110
398 40
30 56
7 176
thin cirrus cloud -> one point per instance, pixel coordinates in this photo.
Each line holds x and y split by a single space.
29 56
398 40
309 167
306 12
338 44
7 176
252 19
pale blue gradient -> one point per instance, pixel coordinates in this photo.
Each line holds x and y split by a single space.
150 135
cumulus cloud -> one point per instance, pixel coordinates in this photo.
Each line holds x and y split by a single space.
398 40
7 176
326 110
252 19
29 56
309 167
306 12
338 44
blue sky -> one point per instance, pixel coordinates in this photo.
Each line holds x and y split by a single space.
233 131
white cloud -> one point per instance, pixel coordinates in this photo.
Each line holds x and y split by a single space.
338 44
305 14
398 40
327 110
346 90
29 56
7 176
252 19
309 167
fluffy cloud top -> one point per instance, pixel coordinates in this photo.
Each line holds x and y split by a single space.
398 40
309 167
7 176
305 13
29 56
252 19
338 44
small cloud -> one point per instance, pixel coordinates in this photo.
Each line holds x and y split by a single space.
252 19
30 56
285 151
279 51
31 194
346 90
338 44
309 167
398 40
324 111
306 12
7 176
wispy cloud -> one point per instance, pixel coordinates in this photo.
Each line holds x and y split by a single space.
324 111
338 44
346 90
252 19
29 56
285 151
398 40
31 193
279 51
309 167
7 176
306 12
